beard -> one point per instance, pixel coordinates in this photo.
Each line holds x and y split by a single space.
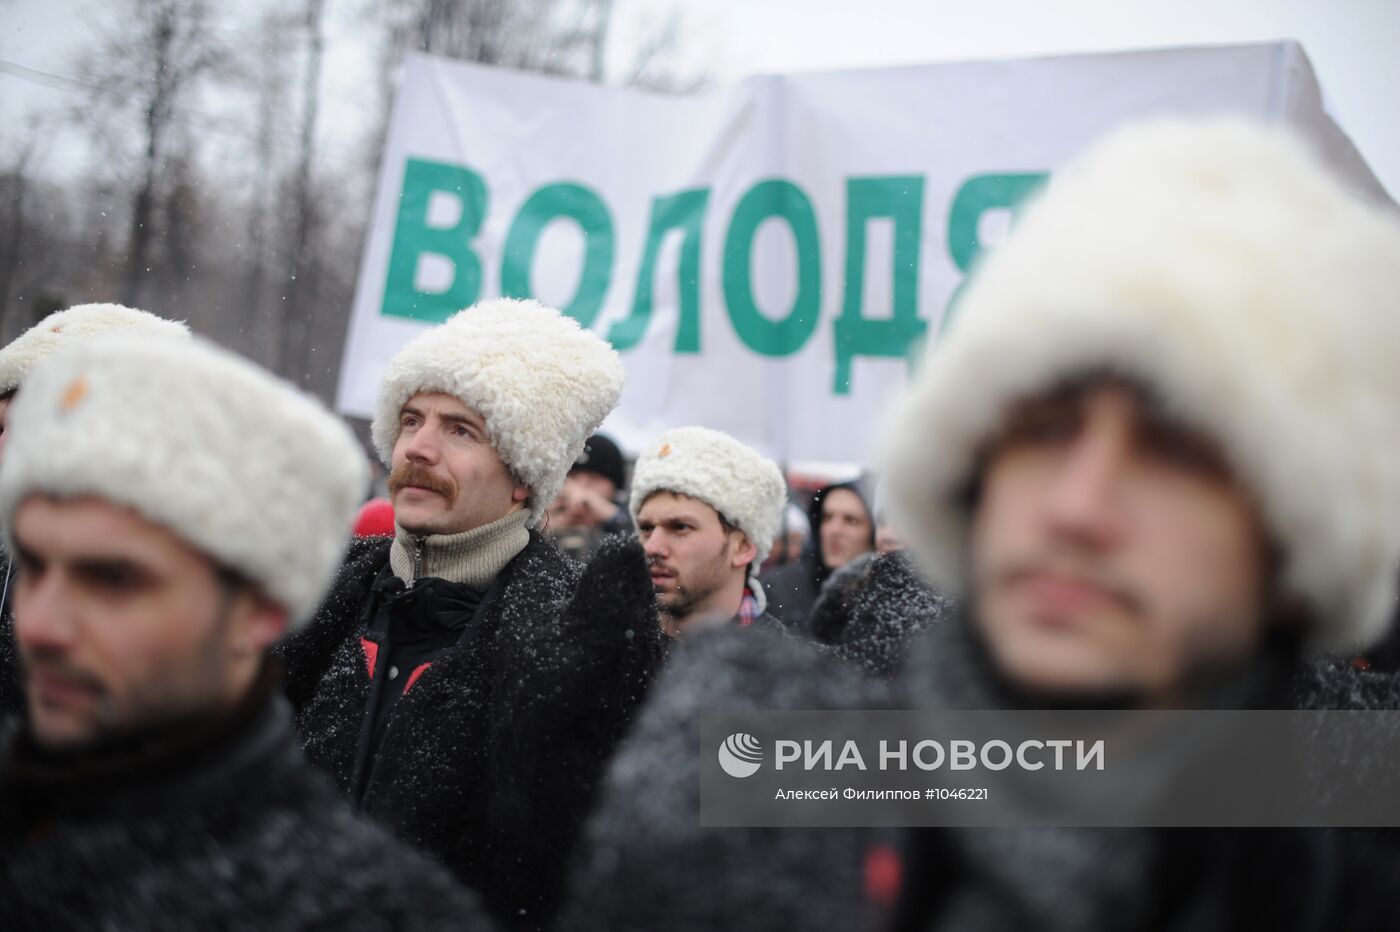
689 591
685 600
134 709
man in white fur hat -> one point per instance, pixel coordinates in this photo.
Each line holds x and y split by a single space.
57 331
707 509
1156 454
1160 435
463 683
174 510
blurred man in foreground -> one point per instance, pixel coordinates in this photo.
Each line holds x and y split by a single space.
174 510
1179 477
59 330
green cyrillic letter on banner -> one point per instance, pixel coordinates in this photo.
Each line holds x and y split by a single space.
546 205
413 237
784 200
979 194
684 211
900 198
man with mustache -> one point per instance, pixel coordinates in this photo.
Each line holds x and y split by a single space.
57 331
463 683
707 508
175 510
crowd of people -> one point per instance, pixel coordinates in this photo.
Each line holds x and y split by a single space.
1151 465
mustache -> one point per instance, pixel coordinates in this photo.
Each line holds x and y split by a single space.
414 474
43 659
1094 574
657 563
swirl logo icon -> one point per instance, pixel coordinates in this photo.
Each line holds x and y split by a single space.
740 755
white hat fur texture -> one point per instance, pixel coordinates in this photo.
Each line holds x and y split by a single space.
237 463
1217 264
733 479
80 322
541 382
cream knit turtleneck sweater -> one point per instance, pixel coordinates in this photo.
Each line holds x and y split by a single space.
473 557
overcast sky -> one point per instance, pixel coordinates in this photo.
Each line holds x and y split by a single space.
1354 46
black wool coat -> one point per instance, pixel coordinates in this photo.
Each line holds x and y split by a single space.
793 589
870 614
492 759
238 835
1276 879
650 864
647 863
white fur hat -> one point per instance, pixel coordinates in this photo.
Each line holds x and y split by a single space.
1220 266
234 461
63 328
733 479
542 383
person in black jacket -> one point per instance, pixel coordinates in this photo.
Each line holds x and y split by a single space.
843 528
592 504
706 508
463 682
56 331
155 780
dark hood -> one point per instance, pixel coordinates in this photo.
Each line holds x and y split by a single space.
864 488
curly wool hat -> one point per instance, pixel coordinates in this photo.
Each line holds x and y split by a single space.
733 479
542 383
80 322
234 461
1218 265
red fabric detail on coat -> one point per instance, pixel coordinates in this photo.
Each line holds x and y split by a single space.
883 875
413 677
371 650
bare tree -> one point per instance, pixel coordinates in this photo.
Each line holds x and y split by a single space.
14 187
46 245
540 35
150 67
551 36
266 73
653 63
301 278
182 216
245 229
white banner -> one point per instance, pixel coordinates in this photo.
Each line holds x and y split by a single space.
765 257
